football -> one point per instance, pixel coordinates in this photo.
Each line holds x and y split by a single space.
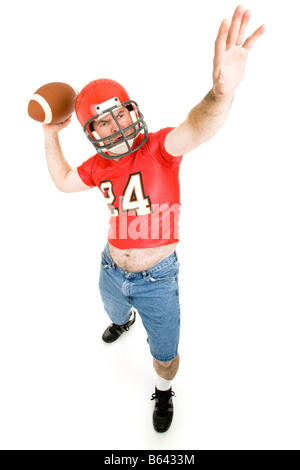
52 103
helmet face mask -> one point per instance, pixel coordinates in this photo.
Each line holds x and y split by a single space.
120 143
124 137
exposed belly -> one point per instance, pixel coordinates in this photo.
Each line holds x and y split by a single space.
137 260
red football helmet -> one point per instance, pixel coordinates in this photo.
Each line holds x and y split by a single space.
102 97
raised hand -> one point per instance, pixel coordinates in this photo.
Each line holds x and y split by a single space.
231 52
56 128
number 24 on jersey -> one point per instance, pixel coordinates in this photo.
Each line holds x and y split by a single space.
133 198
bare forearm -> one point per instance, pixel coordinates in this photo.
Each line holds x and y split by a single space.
201 124
207 117
57 165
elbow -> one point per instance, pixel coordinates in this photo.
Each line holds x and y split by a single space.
63 189
60 186
60 189
60 183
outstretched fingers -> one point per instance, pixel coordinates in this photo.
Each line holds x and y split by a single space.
220 44
235 26
249 43
232 33
244 23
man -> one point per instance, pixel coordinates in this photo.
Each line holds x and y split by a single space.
138 175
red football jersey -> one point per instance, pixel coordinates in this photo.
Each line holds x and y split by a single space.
142 193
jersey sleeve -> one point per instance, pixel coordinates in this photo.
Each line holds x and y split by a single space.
162 134
85 172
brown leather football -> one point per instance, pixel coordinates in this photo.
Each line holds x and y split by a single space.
52 103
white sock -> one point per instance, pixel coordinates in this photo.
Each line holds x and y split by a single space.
163 384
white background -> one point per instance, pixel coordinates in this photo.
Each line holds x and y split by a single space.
238 385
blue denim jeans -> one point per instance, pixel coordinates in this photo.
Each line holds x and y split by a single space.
153 293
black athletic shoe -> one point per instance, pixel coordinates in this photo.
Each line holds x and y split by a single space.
113 332
163 411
